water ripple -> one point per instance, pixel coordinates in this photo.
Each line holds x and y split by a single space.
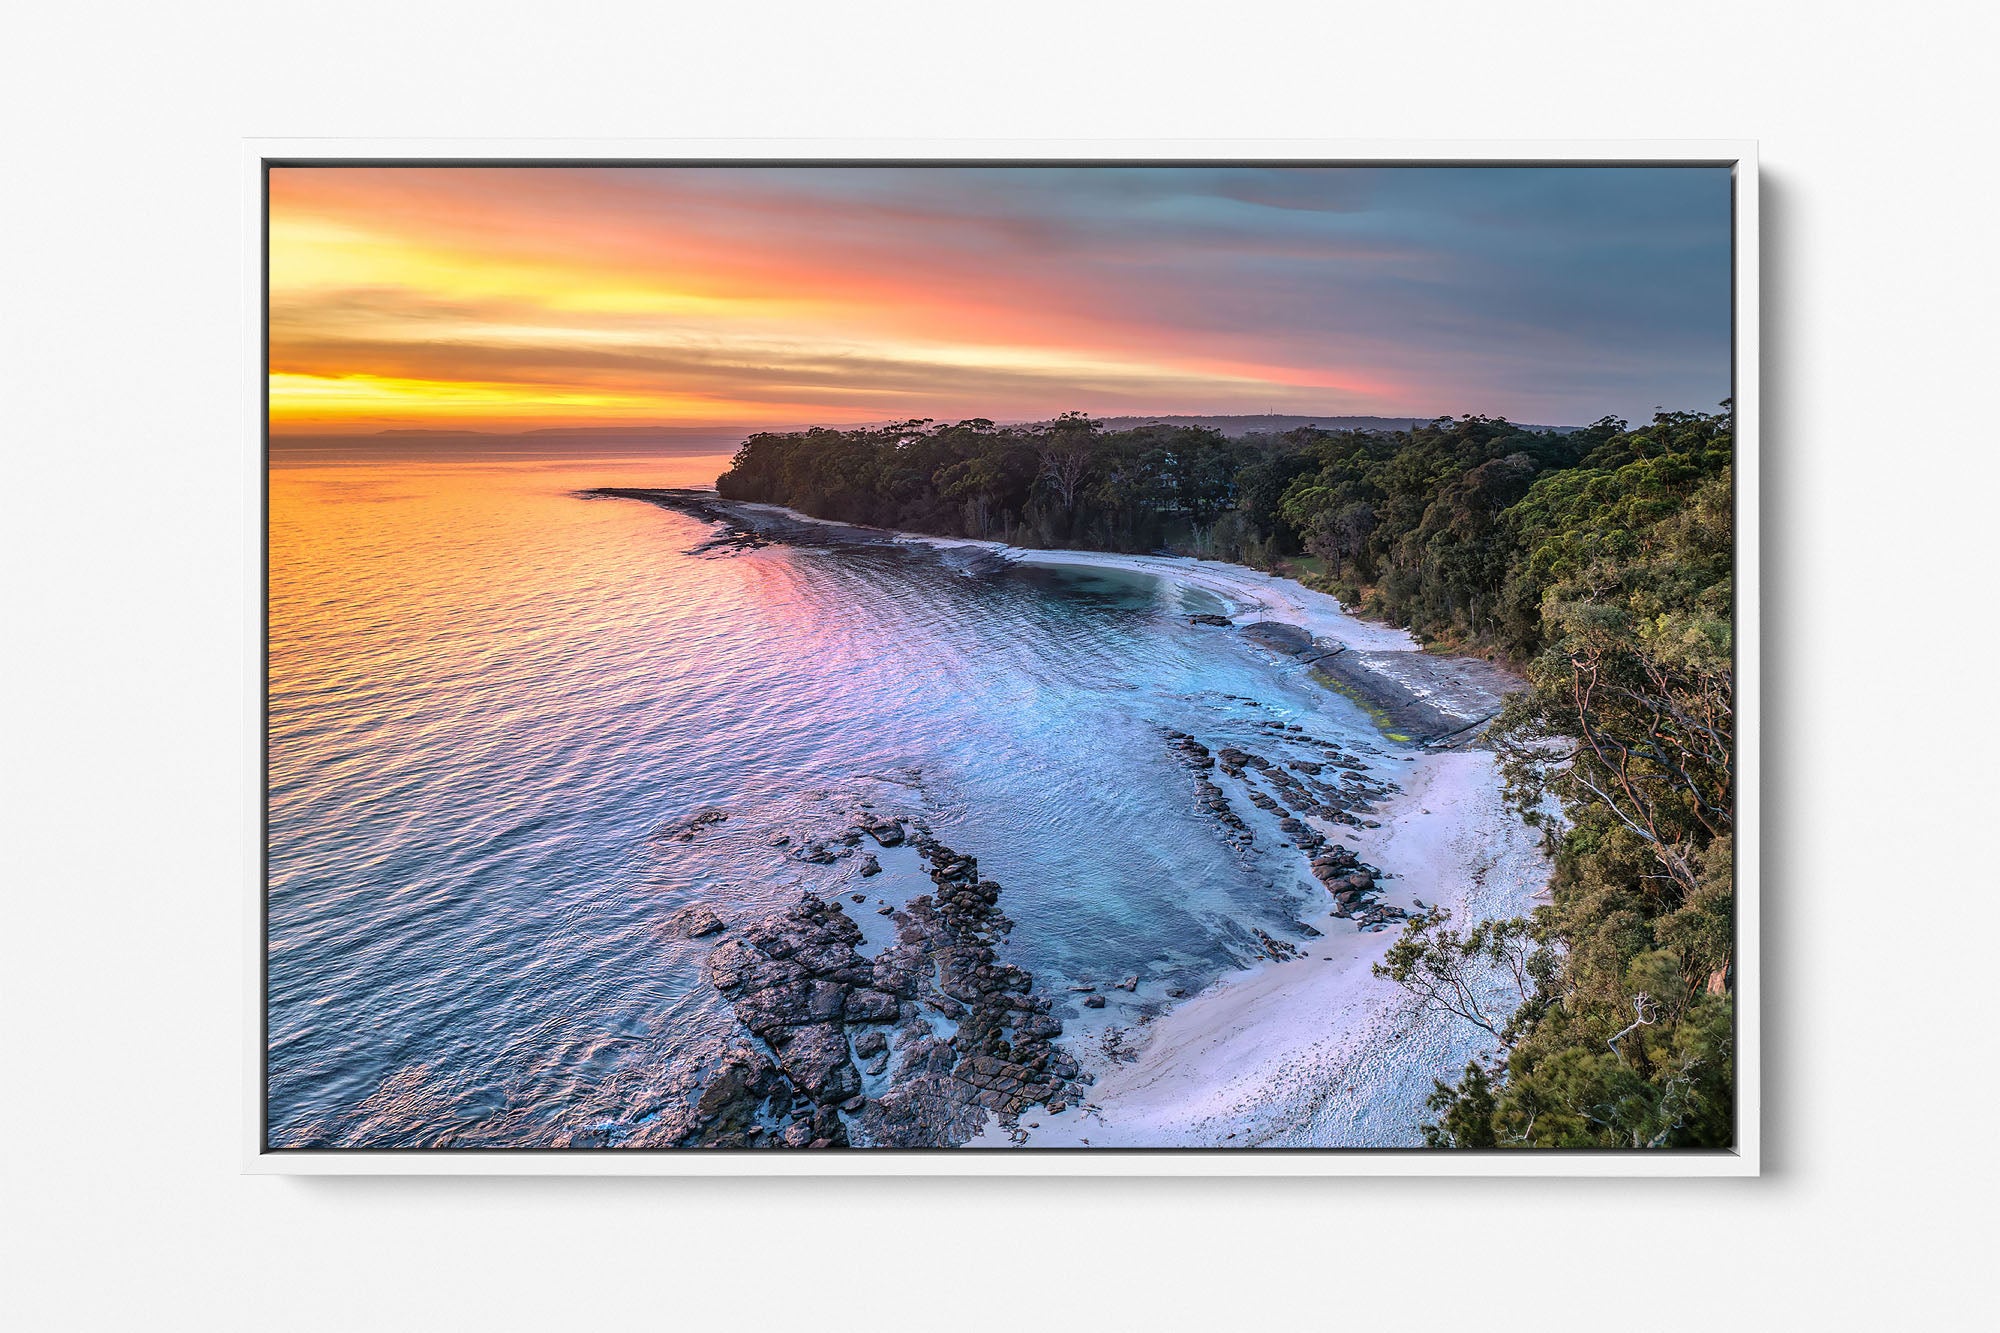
488 695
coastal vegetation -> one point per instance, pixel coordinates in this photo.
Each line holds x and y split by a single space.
1599 561
1624 1036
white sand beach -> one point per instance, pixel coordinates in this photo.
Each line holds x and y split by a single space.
1317 1051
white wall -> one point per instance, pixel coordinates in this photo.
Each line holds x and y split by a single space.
129 514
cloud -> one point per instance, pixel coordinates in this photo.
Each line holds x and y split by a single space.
1564 292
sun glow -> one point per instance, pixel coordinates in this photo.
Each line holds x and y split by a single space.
550 296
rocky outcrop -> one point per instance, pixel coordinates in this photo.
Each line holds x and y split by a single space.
1291 790
1001 1057
684 830
958 1034
789 978
696 921
1422 697
747 1103
888 832
1352 885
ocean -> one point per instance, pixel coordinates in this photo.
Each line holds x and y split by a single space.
495 704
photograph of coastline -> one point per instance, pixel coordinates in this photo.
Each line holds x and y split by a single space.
1011 657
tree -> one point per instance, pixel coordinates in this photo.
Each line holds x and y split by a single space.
1487 976
1067 452
1340 535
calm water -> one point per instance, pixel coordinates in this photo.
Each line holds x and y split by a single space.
488 696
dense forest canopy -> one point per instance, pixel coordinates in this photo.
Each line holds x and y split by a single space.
1599 560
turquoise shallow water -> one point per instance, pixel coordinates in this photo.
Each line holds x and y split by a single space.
491 697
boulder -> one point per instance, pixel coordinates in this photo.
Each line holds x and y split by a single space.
696 921
814 1057
870 1006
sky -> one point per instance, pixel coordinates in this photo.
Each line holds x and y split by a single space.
507 299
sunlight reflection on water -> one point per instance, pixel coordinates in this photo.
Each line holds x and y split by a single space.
488 696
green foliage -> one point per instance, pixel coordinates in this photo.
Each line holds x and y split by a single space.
1491 976
1628 728
1061 483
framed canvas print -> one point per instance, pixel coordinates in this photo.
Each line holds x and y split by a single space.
996 658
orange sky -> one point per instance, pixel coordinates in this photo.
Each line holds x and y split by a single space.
497 299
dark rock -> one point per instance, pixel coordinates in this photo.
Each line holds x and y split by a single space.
1094 1002
1208 618
796 980
869 866
1279 637
685 830
870 1006
724 1114
1276 949
814 1057
825 955
696 921
1335 857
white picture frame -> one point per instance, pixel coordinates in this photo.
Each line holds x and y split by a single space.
1744 1160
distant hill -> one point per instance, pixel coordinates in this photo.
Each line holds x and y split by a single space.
1273 423
648 440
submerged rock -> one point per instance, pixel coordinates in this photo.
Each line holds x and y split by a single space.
685 829
696 921
796 980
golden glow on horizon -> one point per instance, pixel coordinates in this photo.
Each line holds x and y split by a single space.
314 256
497 300
376 403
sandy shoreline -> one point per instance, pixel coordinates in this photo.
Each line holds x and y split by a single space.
1317 1051
1250 594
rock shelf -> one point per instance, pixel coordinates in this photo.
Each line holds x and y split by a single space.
944 1033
